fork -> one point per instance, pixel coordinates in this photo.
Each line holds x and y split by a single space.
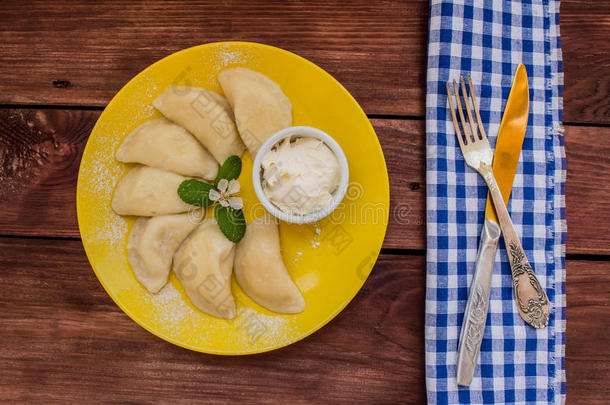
532 303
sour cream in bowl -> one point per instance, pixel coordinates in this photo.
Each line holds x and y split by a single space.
300 174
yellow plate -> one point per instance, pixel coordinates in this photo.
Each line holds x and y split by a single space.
329 261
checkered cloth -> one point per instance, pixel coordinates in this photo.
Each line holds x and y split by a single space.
487 39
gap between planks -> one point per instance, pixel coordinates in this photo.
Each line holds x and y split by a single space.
405 117
383 251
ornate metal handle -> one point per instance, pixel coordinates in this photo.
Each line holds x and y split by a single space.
475 315
532 302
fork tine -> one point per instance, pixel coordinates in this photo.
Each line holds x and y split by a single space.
476 109
467 104
467 137
455 122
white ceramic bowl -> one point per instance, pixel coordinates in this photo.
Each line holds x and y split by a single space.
300 132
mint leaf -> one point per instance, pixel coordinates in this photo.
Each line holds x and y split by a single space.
229 170
195 192
231 222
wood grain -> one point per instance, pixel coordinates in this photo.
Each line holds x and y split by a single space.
63 339
586 60
39 169
587 189
82 54
588 342
40 153
42 148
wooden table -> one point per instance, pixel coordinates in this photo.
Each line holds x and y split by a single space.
62 338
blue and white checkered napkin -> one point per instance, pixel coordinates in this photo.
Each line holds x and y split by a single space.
488 39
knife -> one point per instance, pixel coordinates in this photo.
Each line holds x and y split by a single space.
506 158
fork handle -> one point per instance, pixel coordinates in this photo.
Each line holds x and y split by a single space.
475 314
532 302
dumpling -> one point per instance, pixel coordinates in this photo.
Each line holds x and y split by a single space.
261 108
204 263
152 244
165 145
147 191
205 114
260 271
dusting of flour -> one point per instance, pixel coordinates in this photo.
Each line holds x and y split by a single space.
169 312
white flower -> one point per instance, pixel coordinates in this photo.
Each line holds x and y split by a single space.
225 195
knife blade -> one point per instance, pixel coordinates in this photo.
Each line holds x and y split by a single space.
506 158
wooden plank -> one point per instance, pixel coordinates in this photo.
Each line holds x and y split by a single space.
587 341
82 54
64 339
42 149
40 152
587 189
586 60
403 143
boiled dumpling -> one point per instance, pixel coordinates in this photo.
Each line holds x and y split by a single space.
152 244
147 191
203 264
260 271
261 108
205 114
163 144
